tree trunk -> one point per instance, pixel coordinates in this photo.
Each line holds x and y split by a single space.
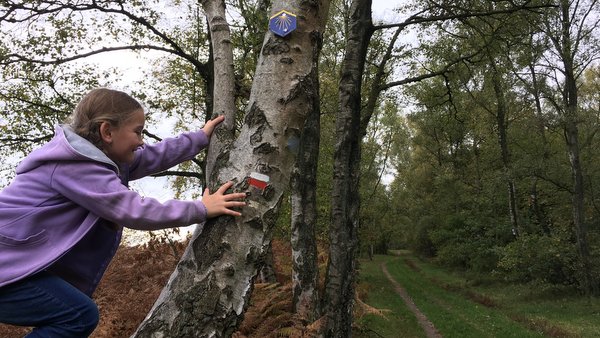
304 218
208 292
343 231
571 131
266 273
223 97
577 198
501 121
538 214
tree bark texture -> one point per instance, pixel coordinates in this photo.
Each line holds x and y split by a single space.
223 81
305 273
208 292
266 274
343 231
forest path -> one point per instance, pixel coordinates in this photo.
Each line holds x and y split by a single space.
425 323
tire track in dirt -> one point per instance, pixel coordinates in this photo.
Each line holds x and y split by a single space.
425 323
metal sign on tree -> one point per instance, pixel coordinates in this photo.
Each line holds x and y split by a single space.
282 23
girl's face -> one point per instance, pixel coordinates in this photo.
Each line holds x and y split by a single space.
121 142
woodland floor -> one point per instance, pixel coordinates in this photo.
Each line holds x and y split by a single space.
137 275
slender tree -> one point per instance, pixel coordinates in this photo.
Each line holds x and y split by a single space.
343 231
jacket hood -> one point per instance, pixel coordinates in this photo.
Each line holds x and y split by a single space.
66 145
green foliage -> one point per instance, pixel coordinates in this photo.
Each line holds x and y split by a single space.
421 241
382 225
494 119
539 258
463 243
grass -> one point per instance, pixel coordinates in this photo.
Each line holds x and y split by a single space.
394 317
460 308
453 313
556 313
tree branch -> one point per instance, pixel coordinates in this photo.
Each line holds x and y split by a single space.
9 141
440 72
199 176
418 19
54 7
19 58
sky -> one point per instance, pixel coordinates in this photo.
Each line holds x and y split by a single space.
383 9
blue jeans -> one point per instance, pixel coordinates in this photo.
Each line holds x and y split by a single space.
52 306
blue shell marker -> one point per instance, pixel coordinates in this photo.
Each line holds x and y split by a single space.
282 23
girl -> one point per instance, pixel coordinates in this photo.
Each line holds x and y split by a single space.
61 218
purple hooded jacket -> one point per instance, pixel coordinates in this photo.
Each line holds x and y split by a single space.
66 207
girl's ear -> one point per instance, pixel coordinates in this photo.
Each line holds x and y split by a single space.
106 132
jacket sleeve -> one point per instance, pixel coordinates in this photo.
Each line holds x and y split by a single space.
154 158
98 189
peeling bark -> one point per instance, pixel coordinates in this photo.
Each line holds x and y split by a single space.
305 274
208 292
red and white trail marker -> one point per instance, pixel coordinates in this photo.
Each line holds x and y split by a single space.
258 180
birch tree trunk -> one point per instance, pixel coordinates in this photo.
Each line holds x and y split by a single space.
343 231
208 292
305 274
223 81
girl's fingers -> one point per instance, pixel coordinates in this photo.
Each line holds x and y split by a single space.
233 213
235 204
235 196
224 187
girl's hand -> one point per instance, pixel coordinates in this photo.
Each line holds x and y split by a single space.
209 127
220 203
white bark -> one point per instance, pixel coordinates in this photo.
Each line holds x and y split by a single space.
223 80
208 293
305 274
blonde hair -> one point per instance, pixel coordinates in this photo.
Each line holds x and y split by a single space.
101 105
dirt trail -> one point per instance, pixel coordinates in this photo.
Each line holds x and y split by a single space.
425 323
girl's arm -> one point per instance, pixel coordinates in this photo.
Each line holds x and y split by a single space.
152 159
97 188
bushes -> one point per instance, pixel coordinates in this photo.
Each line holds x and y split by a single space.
464 244
460 241
539 258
